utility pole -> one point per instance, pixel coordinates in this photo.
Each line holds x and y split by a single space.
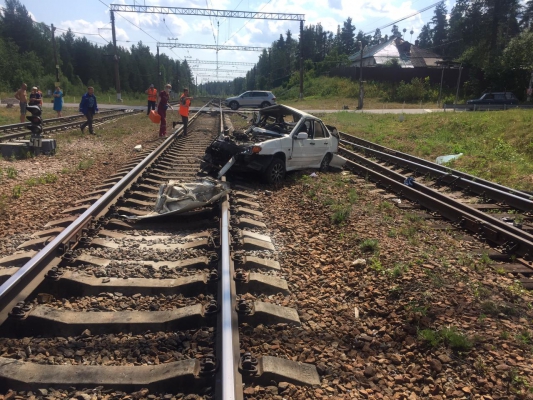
361 88
301 60
440 89
458 82
530 89
218 28
159 87
55 53
117 77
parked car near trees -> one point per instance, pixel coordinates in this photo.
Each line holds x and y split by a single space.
252 98
496 98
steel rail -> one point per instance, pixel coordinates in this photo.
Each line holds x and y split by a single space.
9 295
74 124
229 385
499 194
23 125
512 238
421 161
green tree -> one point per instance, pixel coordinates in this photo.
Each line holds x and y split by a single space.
526 20
439 32
425 39
347 38
395 31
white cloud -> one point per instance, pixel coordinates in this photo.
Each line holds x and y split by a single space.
103 28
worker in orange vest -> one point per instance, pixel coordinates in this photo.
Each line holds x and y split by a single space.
152 98
185 102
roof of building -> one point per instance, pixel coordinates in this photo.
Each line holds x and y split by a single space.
407 54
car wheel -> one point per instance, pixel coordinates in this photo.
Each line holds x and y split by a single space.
234 105
324 165
265 104
275 173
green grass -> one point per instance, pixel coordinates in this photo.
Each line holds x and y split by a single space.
17 191
85 164
3 204
11 172
341 212
449 336
497 146
369 245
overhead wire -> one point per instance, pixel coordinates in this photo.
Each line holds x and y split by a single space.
246 23
373 22
138 27
171 34
404 18
211 22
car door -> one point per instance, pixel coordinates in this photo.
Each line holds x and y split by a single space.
499 98
320 143
246 99
301 148
487 99
258 98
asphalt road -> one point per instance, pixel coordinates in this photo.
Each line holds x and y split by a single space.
377 111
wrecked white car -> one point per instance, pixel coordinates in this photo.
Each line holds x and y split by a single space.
280 139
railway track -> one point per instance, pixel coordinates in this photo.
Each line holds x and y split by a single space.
493 213
16 131
99 302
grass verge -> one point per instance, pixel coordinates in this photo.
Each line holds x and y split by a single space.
497 146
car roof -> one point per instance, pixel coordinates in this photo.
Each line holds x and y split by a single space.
285 110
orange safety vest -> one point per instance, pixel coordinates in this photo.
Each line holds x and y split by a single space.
152 94
184 106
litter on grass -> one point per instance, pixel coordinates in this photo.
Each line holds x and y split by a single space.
446 159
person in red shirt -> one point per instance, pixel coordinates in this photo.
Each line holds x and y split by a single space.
164 96
185 102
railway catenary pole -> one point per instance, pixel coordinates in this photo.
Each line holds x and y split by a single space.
458 84
530 89
301 60
159 87
115 57
55 53
361 89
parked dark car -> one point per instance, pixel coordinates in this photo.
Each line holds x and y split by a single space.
495 98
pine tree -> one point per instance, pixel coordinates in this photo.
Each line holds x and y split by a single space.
425 38
395 31
439 32
347 38
377 37
526 20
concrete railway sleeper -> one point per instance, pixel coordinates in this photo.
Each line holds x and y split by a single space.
99 300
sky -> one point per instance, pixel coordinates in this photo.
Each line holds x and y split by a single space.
91 18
